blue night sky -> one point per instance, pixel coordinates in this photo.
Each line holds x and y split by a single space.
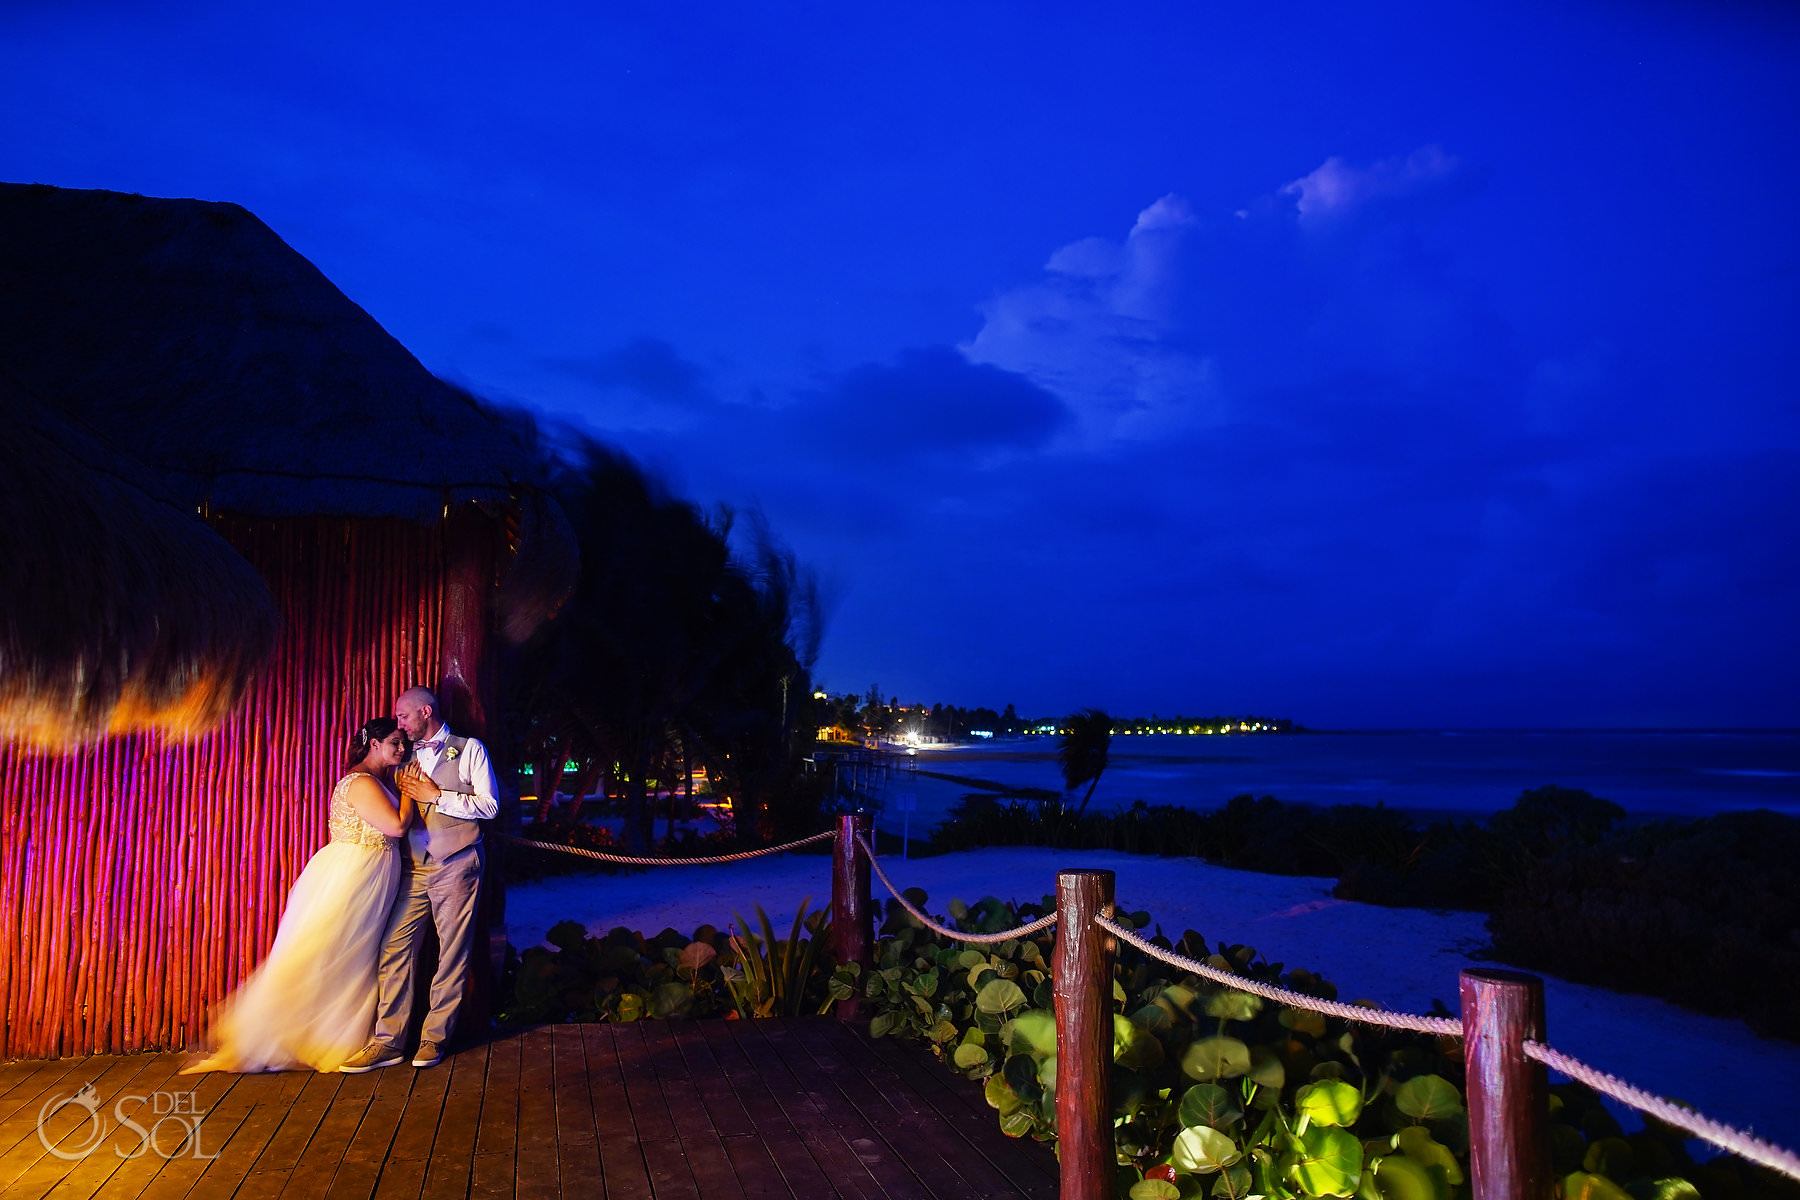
1374 365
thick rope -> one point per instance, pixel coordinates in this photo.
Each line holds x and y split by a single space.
982 939
632 861
1444 1026
1739 1142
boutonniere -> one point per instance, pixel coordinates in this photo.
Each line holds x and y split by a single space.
451 753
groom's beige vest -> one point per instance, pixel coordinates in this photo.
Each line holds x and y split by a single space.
442 835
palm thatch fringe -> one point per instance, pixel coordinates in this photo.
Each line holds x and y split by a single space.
118 611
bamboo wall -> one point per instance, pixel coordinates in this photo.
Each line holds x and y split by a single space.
141 879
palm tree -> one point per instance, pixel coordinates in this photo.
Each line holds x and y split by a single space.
669 647
1082 751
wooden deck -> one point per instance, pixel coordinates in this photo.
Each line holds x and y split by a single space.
653 1109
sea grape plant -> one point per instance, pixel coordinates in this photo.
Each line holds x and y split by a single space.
1219 1094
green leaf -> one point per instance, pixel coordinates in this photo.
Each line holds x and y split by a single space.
1233 1005
1329 1102
969 1055
1416 1142
1302 1020
1330 1162
1000 1095
1208 1104
1203 1150
1428 1098
1610 1157
1216 1058
970 958
1400 1178
882 1024
1673 1188
671 999
1582 1186
1233 1183
1266 1070
1134 1049
943 1031
923 984
1154 1189
631 1006
999 996
1032 1031
697 955
1018 1123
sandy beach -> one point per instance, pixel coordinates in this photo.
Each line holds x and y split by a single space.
1402 958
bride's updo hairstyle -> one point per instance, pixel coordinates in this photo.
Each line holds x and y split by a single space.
371 732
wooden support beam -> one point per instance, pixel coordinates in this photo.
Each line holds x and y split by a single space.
1509 1100
1083 980
852 909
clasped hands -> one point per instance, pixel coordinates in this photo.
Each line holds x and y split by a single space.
415 785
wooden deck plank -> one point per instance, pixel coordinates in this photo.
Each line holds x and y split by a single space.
155 1088
757 1173
403 1171
23 1153
577 1146
323 1153
907 1173
1030 1165
930 1148
713 1110
992 1163
449 1169
670 1172
835 1153
770 1126
247 1118
360 1169
701 1145
622 1166
276 1160
539 1174
492 1170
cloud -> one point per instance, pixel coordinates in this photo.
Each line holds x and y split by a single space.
1335 189
932 402
647 366
1096 332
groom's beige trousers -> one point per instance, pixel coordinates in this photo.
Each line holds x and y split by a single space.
445 894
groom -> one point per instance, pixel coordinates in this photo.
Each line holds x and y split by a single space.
453 784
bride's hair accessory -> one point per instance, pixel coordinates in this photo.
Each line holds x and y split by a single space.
371 732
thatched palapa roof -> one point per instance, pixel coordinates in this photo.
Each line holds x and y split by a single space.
123 611
178 357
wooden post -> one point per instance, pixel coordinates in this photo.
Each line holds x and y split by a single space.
852 911
1509 1133
1083 976
465 692
464 687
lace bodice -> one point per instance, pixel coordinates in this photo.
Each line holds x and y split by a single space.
346 826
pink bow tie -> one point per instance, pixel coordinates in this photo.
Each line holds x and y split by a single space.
429 746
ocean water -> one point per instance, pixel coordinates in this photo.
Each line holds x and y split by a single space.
1429 774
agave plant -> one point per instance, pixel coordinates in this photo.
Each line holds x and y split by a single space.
769 977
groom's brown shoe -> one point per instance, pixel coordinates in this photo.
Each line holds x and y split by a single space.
429 1054
372 1056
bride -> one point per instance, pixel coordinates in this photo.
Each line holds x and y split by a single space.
312 1001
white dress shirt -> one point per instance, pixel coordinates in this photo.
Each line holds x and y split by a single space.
479 798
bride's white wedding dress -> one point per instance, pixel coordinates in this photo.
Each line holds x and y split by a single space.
312 1001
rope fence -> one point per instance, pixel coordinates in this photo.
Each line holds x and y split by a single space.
851 921
1442 1026
630 860
980 939
1726 1137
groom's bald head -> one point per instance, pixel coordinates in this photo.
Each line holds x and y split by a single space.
417 711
